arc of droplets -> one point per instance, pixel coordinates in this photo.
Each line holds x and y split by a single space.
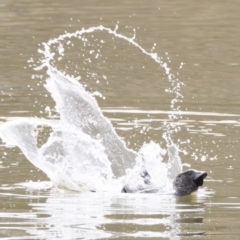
48 56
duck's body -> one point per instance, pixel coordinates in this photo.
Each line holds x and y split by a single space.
184 184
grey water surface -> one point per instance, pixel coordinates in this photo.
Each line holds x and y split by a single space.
204 35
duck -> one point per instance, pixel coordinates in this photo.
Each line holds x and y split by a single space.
184 184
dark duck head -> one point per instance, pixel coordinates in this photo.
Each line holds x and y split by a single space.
189 181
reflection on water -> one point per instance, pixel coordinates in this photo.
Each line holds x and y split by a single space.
57 214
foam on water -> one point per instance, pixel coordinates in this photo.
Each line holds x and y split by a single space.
83 151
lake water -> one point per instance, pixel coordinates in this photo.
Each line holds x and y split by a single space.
199 42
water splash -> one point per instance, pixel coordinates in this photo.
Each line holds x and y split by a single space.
83 151
56 44
79 110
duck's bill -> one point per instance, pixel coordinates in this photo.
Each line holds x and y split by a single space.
198 178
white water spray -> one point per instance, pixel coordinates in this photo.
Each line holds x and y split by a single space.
83 150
